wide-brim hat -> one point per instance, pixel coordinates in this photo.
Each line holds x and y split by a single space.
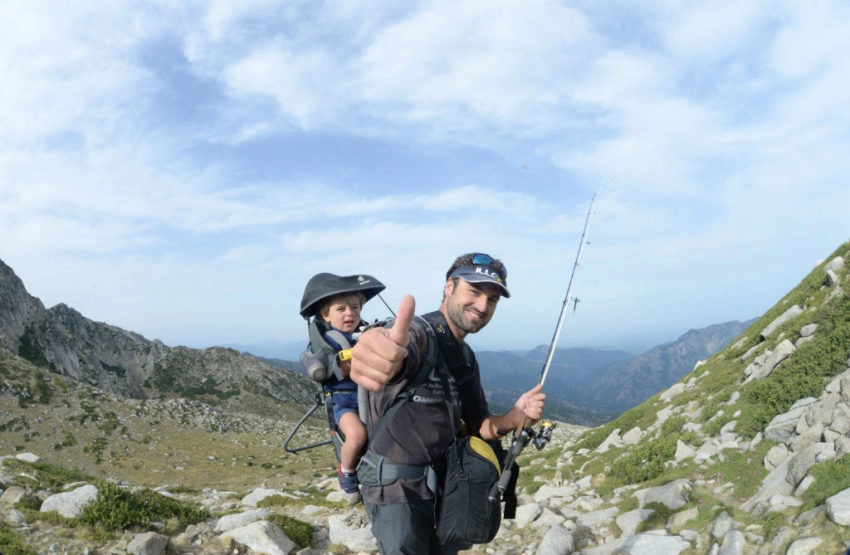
324 285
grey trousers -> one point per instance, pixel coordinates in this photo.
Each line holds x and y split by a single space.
407 529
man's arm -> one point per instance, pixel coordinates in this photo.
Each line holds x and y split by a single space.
529 406
380 352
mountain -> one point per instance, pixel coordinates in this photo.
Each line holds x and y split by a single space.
625 384
125 363
590 387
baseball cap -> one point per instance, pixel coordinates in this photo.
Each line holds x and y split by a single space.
480 268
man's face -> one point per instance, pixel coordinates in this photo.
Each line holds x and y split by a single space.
469 307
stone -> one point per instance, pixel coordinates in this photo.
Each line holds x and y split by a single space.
262 537
148 543
28 457
628 522
679 519
259 494
526 513
838 508
804 546
355 538
673 495
237 520
652 543
789 314
734 543
556 541
70 504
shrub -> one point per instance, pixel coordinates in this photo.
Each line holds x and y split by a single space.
11 544
118 509
830 478
645 460
299 532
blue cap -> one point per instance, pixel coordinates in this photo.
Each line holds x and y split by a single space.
481 274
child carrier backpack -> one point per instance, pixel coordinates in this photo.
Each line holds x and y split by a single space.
328 346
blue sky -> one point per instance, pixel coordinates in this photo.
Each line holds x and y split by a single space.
181 169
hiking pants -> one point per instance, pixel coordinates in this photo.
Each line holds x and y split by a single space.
407 529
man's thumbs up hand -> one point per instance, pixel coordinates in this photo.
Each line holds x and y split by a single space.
379 353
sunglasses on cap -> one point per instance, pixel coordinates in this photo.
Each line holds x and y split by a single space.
480 259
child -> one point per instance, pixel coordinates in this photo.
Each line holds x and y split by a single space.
335 303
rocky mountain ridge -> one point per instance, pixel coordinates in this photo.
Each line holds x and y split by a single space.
125 363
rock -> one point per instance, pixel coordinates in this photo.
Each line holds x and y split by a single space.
838 508
556 541
629 522
28 457
674 495
253 498
229 522
595 519
70 504
678 520
782 427
789 314
734 543
355 538
804 546
526 513
652 543
12 495
549 493
684 451
633 436
262 537
721 525
613 440
149 543
765 364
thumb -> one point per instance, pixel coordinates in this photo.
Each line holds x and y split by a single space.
398 333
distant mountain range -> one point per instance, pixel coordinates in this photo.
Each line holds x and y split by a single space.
584 386
589 387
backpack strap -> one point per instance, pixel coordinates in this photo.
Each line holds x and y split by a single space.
377 470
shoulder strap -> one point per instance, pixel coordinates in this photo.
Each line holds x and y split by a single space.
452 351
421 375
455 356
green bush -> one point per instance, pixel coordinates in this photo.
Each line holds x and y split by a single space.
657 520
299 532
11 544
644 461
802 375
117 509
830 478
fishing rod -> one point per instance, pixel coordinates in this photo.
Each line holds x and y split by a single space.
524 432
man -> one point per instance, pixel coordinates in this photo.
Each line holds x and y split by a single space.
386 359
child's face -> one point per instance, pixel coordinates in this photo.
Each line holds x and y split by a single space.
343 312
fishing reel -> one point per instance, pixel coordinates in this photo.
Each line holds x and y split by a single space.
542 437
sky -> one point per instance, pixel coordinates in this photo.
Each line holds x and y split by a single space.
180 169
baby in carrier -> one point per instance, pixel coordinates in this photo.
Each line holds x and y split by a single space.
335 304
